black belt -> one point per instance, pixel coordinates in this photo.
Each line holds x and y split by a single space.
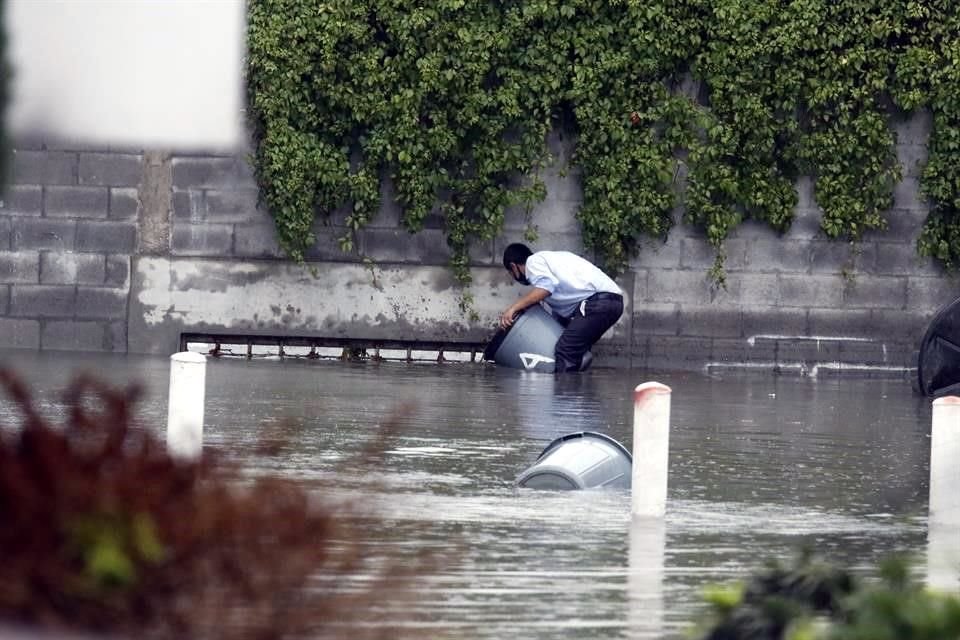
605 295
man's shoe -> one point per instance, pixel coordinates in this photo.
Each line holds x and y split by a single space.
585 362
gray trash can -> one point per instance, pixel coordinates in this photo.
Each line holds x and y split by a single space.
529 343
583 460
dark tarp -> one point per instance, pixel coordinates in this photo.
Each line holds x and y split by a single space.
938 362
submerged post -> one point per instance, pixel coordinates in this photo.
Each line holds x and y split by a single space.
944 504
943 522
651 449
188 373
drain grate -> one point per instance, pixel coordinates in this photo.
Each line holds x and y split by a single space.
321 348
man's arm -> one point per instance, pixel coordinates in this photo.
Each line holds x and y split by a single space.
532 297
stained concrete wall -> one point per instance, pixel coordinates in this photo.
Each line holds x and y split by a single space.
123 251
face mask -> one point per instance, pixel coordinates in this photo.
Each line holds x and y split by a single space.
521 278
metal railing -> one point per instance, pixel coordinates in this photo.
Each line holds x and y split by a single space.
249 346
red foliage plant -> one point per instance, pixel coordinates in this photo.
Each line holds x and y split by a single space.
102 531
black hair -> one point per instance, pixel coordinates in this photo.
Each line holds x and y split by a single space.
516 253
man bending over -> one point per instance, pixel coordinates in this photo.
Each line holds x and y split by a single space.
584 299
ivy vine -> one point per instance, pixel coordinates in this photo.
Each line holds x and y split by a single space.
6 76
929 73
452 102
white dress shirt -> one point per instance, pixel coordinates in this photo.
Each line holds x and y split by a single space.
569 278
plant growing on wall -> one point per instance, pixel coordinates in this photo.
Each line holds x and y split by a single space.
744 165
628 119
928 75
6 73
451 101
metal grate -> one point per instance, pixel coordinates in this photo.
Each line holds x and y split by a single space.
320 348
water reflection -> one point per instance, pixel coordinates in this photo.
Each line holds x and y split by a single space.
645 577
759 466
943 557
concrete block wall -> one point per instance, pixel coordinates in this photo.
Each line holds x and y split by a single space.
794 303
215 210
77 227
216 213
68 231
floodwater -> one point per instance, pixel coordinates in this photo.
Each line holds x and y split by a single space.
760 466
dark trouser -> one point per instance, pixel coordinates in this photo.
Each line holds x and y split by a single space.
582 330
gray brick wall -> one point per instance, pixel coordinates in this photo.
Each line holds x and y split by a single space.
43 301
76 202
67 232
72 268
73 220
102 303
117 271
124 203
256 240
199 172
44 167
22 267
43 233
107 236
110 169
202 239
16 333
72 335
22 200
215 211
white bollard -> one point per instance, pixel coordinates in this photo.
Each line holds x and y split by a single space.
944 504
651 449
943 522
188 373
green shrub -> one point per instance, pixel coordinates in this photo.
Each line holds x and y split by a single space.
813 600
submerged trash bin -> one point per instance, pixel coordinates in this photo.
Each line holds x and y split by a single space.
529 342
582 460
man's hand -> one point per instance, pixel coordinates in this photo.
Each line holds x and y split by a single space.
534 296
507 317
